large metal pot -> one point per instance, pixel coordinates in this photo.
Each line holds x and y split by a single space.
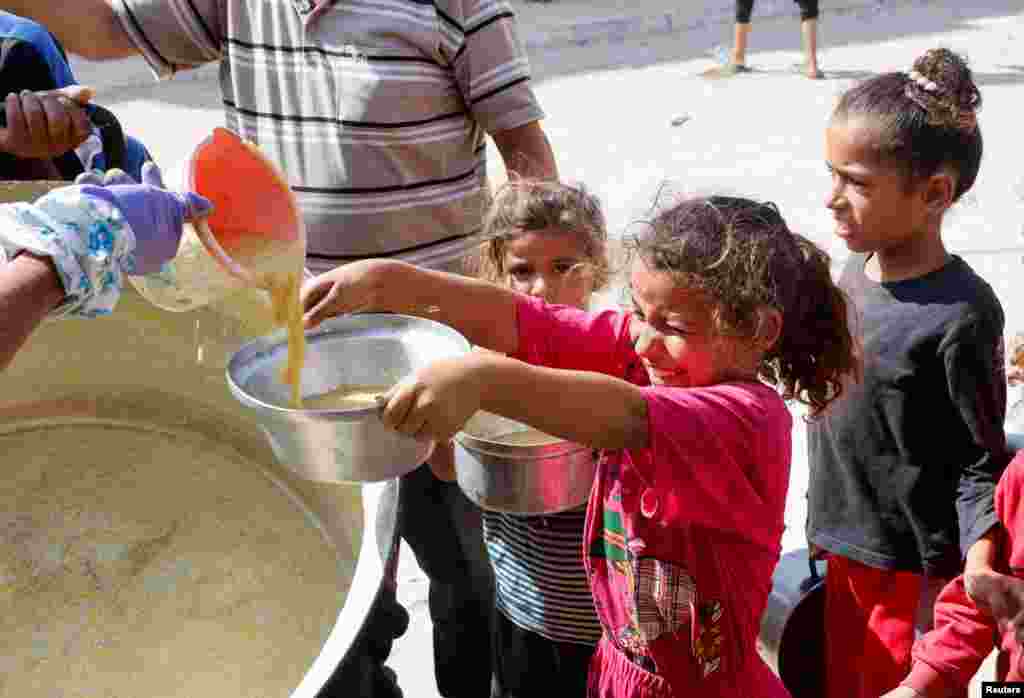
545 477
166 371
793 625
11 190
341 445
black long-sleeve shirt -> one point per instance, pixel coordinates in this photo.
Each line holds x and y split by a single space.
903 467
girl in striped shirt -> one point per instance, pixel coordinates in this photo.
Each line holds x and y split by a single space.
548 240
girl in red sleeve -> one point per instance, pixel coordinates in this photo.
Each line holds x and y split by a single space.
968 627
731 314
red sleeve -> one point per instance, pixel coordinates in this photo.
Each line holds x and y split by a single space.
1010 509
720 456
559 336
946 658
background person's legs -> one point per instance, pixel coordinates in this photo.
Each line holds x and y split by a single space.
444 530
739 43
809 36
527 665
741 31
363 672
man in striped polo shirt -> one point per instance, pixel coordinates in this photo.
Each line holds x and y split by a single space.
377 111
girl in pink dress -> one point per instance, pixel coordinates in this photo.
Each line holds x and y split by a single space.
732 314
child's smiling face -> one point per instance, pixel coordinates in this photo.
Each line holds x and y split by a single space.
550 264
873 206
674 333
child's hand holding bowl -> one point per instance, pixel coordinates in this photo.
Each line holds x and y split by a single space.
342 290
437 400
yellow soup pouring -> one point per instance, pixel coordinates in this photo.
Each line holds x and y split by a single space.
287 308
255 232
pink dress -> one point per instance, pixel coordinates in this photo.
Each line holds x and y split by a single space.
682 536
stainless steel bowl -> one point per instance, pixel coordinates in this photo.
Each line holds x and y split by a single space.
545 478
341 445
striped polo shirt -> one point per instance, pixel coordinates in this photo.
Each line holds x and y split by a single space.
540 579
375 110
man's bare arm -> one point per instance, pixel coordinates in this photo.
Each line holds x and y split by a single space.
86 27
29 289
527 151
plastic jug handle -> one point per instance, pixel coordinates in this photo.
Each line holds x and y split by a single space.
206 237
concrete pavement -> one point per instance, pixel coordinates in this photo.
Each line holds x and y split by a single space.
613 85
545 26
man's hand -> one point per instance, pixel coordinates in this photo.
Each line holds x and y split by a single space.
99 178
45 125
526 152
155 215
1002 596
438 400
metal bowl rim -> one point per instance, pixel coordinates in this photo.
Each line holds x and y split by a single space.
528 514
330 327
553 449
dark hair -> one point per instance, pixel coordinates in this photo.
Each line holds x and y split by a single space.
926 119
742 255
531 205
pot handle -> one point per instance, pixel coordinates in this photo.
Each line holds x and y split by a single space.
812 564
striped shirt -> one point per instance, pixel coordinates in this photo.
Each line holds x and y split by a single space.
541 583
376 110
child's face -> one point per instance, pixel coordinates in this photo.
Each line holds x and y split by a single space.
674 333
550 264
873 206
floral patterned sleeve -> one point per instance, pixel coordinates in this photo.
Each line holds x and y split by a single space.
88 239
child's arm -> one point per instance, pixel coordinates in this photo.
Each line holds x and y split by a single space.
589 408
989 585
485 313
903 692
975 375
947 657
1001 596
981 562
998 594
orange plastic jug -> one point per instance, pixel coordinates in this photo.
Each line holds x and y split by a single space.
255 229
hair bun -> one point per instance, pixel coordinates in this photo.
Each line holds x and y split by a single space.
941 83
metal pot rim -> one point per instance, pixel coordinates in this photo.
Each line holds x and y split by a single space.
273 342
484 446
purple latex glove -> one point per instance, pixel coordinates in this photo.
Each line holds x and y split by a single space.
114 176
156 216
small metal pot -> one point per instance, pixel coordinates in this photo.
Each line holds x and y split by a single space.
516 479
341 445
792 638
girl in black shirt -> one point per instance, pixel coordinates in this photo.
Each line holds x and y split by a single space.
904 468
